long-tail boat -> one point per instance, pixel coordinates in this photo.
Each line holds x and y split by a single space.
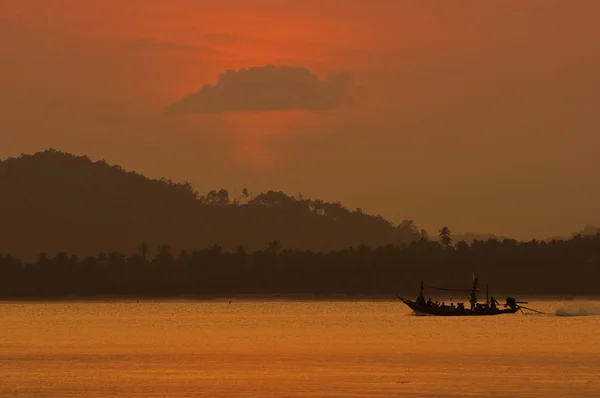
491 306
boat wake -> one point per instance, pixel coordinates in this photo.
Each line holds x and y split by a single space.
579 309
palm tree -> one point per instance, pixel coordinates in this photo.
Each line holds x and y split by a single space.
245 194
217 249
274 246
102 258
143 249
445 237
165 250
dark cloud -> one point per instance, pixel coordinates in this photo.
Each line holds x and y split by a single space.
267 88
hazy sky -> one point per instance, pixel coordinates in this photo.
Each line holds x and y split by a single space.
480 115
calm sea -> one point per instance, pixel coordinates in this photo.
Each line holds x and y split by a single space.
282 348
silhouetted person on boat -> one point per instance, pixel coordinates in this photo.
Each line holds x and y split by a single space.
511 302
429 302
493 303
460 306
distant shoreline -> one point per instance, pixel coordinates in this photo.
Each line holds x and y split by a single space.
278 297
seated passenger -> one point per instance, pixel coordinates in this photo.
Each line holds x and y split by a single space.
429 302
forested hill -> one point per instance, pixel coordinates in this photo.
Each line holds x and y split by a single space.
53 201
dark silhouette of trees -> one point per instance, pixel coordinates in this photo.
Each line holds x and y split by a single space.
82 216
212 198
53 201
535 267
222 197
589 230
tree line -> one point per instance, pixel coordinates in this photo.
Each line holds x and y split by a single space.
53 201
536 267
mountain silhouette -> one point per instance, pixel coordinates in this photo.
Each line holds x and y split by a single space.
54 201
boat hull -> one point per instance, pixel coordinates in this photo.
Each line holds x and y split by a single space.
427 310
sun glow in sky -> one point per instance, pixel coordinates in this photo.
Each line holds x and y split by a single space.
478 115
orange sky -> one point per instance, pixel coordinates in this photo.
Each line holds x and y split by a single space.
479 115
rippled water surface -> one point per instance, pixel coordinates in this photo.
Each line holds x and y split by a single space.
294 349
